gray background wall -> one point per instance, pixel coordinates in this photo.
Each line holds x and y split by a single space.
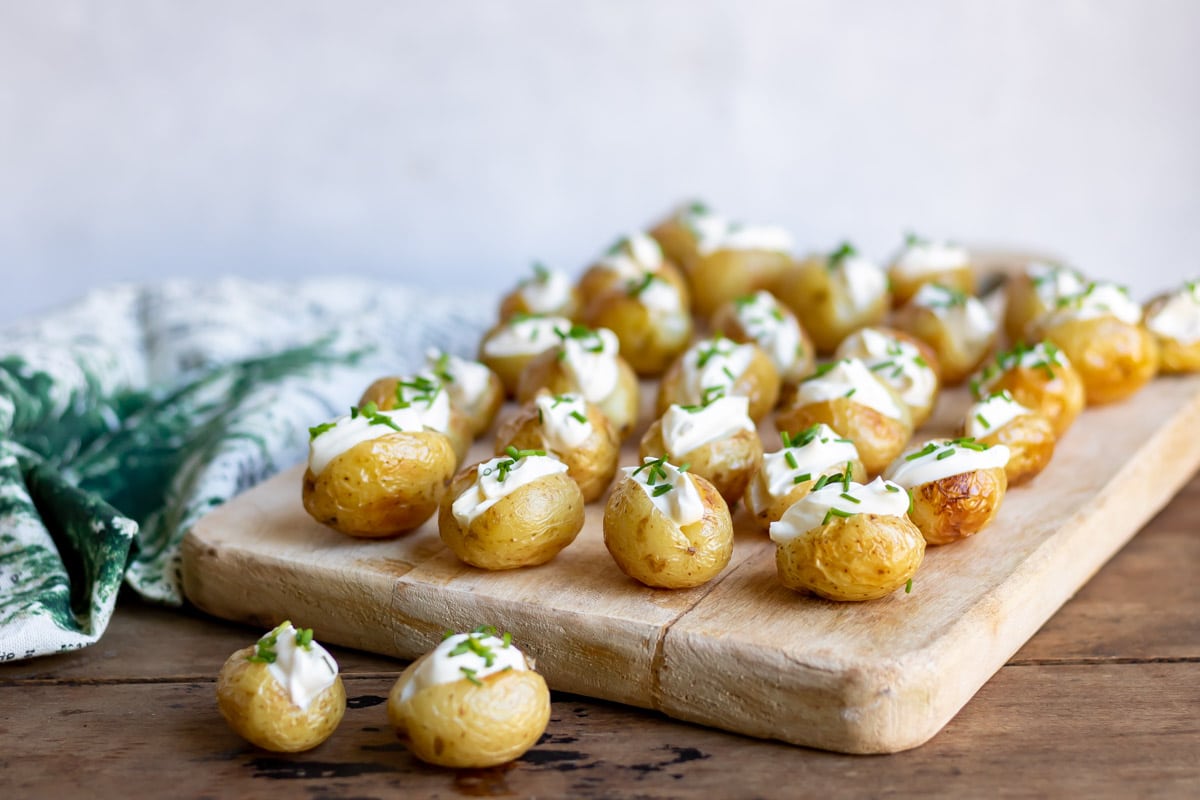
450 143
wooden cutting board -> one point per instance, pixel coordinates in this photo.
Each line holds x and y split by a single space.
740 653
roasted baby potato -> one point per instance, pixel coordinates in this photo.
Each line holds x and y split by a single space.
704 372
846 551
628 261
834 295
269 714
1040 378
652 547
1031 294
678 234
475 390
380 487
906 364
957 326
547 291
762 320
507 348
923 261
470 706
570 429
424 393
1029 436
1113 358
789 474
1173 318
493 526
650 318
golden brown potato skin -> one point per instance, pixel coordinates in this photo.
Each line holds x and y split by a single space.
382 487
760 383
652 549
1030 439
547 372
1056 394
600 279
591 465
464 725
514 304
822 306
905 286
523 529
262 713
719 277
959 506
383 394
650 339
956 358
863 557
1174 356
726 322
1022 309
1114 359
767 508
879 438
728 464
676 239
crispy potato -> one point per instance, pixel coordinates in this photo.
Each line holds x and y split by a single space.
650 548
1174 355
795 364
759 382
1051 387
824 304
1030 439
719 277
548 372
958 506
530 526
382 487
958 355
878 437
861 557
468 725
767 508
262 712
1114 359
728 464
383 393
651 338
905 286
591 465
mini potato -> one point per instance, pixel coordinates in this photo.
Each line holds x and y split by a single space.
1113 358
627 262
956 486
547 291
906 364
848 550
586 362
650 318
283 694
789 474
675 538
425 395
1033 293
678 234
957 326
762 320
571 429
1040 378
375 487
508 348
923 261
470 704
720 366
475 390
1028 435
519 510
834 295
1173 318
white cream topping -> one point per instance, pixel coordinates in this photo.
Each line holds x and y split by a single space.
454 660
425 394
1052 281
547 292
849 378
964 315
304 671
633 256
498 478
591 361
822 453
879 497
1099 299
942 458
681 503
525 336
350 430
659 295
923 257
713 363
714 233
564 419
776 332
990 415
861 281
1178 317
894 361
1042 355
465 380
685 429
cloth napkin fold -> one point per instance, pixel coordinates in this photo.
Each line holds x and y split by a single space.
126 417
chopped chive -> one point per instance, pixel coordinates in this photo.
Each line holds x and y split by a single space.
982 420
942 456
908 587
662 489
850 497
924 451
470 675
317 430
578 417
851 392
790 458
807 476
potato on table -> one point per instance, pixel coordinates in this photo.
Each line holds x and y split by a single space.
958 327
546 291
906 364
1033 293
424 394
473 701
508 347
284 693
720 366
762 320
1029 436
650 318
1174 320
628 261
1039 377
923 261
475 390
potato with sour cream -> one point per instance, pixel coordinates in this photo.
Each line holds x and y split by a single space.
628 261
475 390
921 261
761 319
547 291
848 542
906 364
834 295
1029 436
1033 293
957 326
788 474
1174 320
650 318
516 510
283 694
376 474
424 394
720 366
473 701
1039 377
666 528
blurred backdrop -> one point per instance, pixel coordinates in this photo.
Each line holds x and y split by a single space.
448 144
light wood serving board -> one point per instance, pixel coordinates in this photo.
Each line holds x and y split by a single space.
740 653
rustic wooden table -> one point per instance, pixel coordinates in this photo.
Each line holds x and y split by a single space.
1103 701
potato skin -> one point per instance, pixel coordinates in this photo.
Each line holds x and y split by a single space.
546 371
676 239
956 358
726 322
463 725
383 394
862 557
1174 357
1030 439
650 339
760 383
820 303
958 506
262 713
728 464
879 438
653 550
721 276
1114 359
1058 396
523 529
765 508
600 279
382 487
591 465
904 286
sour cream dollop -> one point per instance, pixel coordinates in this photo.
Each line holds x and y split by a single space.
1178 317
817 451
465 380
713 363
590 358
565 422
879 497
633 256
714 233
1043 355
858 278
894 361
1099 299
681 503
686 428
990 415
943 458
964 315
303 670
775 330
547 292
922 257
453 661
525 336
852 379
498 478
330 440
